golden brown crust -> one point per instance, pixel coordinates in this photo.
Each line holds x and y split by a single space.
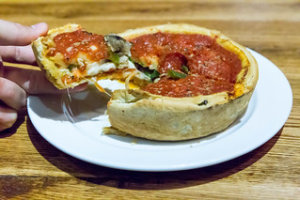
155 117
160 119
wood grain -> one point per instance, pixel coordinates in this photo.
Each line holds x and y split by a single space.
31 168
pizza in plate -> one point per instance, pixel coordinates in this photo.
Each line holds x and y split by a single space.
191 81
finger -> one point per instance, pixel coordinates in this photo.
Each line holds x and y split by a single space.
12 94
8 117
18 54
16 34
34 81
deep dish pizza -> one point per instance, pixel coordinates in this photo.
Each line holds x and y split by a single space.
191 81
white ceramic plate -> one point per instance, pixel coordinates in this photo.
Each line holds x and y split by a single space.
76 128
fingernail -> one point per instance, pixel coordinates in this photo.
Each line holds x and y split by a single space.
11 117
37 26
40 28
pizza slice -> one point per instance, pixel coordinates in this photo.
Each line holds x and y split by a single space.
69 55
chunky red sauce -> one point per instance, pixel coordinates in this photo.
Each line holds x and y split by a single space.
71 43
190 86
211 67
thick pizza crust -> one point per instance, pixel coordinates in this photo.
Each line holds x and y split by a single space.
164 119
155 117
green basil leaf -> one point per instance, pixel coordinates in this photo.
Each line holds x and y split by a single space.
115 58
175 74
185 69
152 74
130 59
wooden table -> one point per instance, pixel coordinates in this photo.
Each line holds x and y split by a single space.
31 168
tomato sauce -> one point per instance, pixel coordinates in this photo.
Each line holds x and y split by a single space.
192 85
70 44
211 67
173 61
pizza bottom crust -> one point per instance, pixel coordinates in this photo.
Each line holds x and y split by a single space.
140 115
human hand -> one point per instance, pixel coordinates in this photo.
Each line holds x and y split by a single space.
16 83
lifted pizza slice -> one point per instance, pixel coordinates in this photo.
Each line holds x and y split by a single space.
71 56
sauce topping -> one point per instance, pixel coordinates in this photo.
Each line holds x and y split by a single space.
172 61
211 68
192 85
70 44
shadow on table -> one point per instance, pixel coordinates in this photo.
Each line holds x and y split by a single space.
14 128
144 180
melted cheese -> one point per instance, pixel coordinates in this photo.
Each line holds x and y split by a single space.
97 67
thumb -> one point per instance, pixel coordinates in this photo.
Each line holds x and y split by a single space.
16 34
